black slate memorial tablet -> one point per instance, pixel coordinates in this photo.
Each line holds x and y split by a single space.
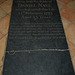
36 42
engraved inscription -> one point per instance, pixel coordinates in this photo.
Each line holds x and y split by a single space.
36 20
